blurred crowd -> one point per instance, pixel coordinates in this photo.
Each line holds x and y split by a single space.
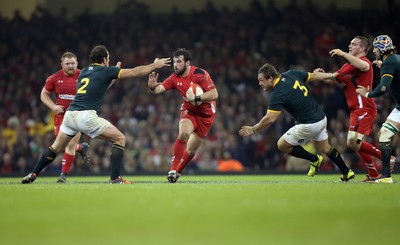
230 43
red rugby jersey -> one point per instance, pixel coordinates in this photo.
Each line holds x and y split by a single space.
350 77
182 84
64 87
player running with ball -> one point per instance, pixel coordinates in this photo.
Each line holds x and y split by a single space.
195 120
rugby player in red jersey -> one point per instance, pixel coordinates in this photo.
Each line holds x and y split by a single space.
358 71
195 120
63 84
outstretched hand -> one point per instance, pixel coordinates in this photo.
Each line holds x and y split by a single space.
161 62
337 52
246 131
152 83
318 70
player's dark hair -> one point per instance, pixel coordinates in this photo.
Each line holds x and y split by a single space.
364 43
98 53
184 52
69 55
268 71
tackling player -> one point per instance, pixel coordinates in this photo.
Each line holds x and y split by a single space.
81 116
289 91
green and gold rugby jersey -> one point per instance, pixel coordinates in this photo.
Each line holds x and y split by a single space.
391 69
291 92
92 86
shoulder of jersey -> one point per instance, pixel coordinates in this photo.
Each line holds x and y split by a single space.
198 71
54 76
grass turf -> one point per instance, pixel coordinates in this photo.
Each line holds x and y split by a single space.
233 209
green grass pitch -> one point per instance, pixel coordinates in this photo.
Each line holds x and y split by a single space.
230 209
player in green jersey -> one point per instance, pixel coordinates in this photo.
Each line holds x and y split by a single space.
81 115
289 91
388 61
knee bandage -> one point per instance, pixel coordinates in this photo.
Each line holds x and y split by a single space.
387 131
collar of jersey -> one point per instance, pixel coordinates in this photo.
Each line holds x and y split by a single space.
96 64
387 55
276 80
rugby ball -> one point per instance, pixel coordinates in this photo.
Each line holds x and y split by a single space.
197 90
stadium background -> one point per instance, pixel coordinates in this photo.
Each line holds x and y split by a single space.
230 39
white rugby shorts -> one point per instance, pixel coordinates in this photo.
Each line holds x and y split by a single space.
300 134
87 122
394 115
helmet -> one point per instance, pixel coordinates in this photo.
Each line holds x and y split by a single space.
384 43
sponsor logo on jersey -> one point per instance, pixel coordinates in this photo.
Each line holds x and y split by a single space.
66 96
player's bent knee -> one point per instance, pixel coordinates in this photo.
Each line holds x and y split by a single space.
122 140
119 140
285 148
387 132
183 136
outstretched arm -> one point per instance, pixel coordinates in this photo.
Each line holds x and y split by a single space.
355 61
322 76
384 85
331 79
265 122
144 69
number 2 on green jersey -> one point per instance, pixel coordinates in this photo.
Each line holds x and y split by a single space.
82 89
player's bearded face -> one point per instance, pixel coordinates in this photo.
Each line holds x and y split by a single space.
69 65
179 65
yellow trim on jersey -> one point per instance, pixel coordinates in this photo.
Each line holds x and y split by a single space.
276 80
97 64
387 75
308 77
273 111
119 74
